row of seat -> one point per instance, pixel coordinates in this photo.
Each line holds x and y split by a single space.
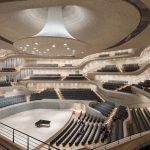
125 67
113 85
126 89
8 70
45 65
11 100
87 129
116 54
75 77
4 83
117 130
123 87
109 68
58 77
46 94
53 65
121 53
117 123
144 85
79 94
104 55
84 130
118 86
130 67
140 121
68 94
105 108
46 78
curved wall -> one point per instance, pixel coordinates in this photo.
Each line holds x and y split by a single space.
47 104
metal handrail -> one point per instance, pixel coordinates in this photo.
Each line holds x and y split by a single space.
28 137
120 141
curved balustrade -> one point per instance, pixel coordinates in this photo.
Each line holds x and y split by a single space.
84 64
97 64
117 97
130 78
74 62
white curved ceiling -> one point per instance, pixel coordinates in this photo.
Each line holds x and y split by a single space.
99 23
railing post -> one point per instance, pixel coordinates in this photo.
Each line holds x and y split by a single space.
27 142
105 146
13 136
49 147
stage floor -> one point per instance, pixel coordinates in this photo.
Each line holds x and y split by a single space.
25 122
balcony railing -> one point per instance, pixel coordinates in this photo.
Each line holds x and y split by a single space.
119 142
22 139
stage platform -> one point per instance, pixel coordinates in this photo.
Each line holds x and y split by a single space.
25 122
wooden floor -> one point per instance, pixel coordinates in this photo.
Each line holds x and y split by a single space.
9 145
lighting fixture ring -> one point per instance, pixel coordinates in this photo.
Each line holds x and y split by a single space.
47 45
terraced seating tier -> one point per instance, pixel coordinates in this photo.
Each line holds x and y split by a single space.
109 68
12 100
79 94
82 130
121 53
126 89
117 123
46 77
111 85
144 85
46 94
140 120
4 83
105 108
104 55
8 70
75 77
130 67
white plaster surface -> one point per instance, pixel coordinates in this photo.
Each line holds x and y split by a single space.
25 122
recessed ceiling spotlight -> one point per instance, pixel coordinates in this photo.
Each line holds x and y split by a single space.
37 50
21 47
34 48
47 49
45 52
73 51
48 36
68 48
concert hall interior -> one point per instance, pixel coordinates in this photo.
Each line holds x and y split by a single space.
74 74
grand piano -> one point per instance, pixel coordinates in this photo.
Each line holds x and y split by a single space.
43 123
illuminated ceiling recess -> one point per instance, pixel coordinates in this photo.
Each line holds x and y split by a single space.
53 39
